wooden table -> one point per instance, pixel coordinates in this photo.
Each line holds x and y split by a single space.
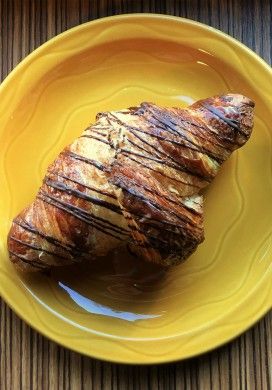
30 361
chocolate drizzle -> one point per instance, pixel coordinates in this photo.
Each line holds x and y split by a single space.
82 195
178 129
231 122
86 160
127 152
78 213
37 248
70 191
52 240
163 157
163 210
96 138
89 187
161 173
26 260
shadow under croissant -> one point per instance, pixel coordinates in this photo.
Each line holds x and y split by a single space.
118 285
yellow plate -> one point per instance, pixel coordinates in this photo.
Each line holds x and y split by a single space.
113 310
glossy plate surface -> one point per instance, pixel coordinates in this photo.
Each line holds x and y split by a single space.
116 310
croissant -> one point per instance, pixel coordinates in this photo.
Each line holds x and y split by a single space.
131 180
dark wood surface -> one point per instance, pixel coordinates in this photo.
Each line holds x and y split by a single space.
30 361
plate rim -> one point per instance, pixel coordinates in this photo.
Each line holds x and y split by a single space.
46 331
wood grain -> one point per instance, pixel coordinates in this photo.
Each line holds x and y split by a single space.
30 361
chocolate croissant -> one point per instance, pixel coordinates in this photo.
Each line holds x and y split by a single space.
131 180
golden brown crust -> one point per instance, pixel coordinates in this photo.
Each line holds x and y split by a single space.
131 179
